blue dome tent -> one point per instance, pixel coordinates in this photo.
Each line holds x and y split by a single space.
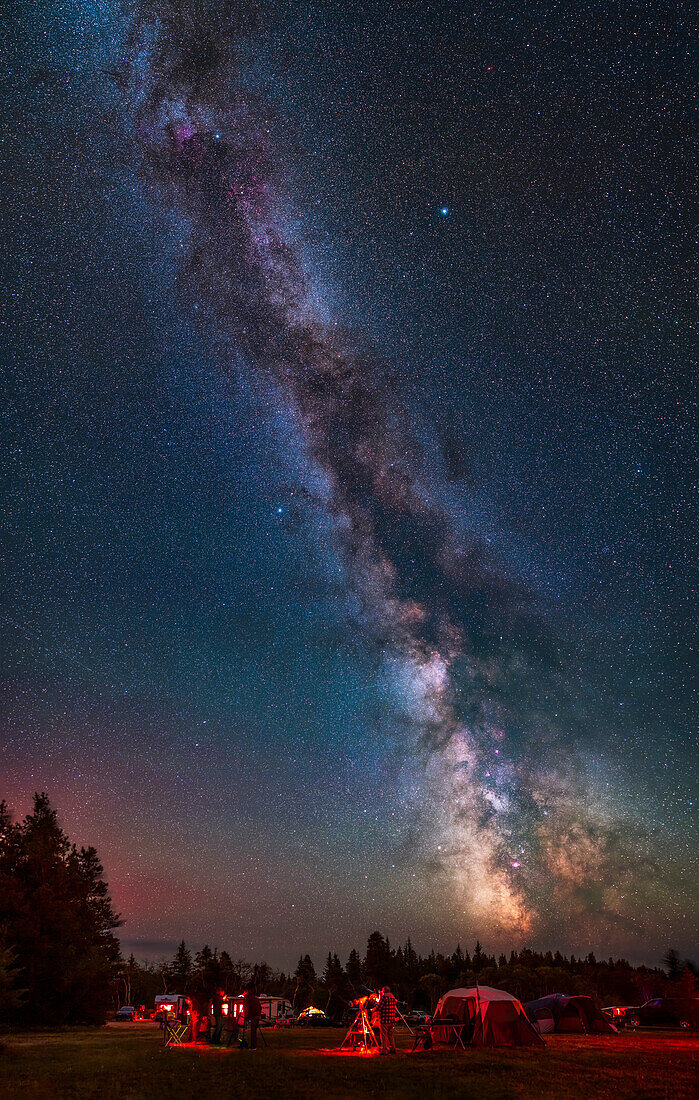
563 1013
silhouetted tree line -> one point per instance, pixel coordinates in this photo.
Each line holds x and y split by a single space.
59 957
417 980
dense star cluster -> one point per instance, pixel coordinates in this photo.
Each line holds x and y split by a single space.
348 525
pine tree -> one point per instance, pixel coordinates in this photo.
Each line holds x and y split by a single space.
262 977
57 920
305 979
673 964
335 981
411 961
181 968
327 973
377 964
354 967
12 996
129 976
306 971
203 958
479 959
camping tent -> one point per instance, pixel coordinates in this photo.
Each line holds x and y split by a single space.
491 1017
560 1012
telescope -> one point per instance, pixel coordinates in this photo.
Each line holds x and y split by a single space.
361 1037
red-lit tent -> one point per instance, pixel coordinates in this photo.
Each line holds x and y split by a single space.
491 1018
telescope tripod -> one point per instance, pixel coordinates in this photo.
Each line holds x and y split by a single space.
361 1036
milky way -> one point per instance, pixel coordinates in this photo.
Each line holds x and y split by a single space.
500 825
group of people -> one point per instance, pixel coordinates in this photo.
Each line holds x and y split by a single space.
227 1029
250 1013
220 1029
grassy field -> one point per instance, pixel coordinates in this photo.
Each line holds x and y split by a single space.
123 1061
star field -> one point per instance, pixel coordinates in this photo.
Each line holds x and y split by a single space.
348 527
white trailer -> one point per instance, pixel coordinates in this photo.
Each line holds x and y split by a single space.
275 1010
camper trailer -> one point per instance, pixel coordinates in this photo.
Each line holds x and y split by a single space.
275 1010
169 1006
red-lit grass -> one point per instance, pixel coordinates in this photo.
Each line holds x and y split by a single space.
129 1062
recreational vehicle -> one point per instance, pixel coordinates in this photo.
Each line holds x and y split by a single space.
275 1010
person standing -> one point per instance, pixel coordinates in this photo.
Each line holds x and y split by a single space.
388 1014
231 1025
217 1014
197 1012
252 1010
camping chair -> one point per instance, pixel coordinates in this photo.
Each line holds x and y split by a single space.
175 1033
422 1038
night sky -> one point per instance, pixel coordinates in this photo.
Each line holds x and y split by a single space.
348 435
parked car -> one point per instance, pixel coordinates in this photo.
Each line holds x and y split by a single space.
416 1017
126 1012
623 1016
669 1012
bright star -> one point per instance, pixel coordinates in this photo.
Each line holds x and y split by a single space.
444 211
